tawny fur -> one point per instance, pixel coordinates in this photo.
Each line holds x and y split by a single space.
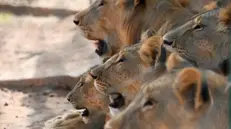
184 82
225 15
147 34
175 61
172 61
69 120
133 23
151 49
183 3
210 6
74 119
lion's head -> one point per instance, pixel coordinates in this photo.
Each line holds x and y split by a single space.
204 39
125 71
187 99
98 22
85 95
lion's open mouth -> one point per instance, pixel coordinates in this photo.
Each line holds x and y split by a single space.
101 86
101 47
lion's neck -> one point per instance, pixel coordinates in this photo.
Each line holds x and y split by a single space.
153 74
114 42
157 14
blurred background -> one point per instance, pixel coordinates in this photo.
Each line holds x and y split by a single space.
41 54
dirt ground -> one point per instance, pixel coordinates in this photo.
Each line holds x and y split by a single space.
42 53
29 107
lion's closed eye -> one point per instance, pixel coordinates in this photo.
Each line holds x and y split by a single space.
121 59
199 27
149 104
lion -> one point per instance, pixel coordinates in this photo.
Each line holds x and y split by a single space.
203 40
187 99
127 70
78 119
85 95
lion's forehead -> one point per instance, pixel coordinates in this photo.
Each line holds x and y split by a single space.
165 81
214 12
129 52
207 14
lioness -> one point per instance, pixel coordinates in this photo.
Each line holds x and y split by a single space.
204 39
131 67
187 99
85 95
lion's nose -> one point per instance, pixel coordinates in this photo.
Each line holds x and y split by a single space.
68 97
78 18
76 22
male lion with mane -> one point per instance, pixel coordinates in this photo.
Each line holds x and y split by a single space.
98 22
114 24
187 99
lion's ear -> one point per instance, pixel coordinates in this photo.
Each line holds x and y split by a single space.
147 34
225 15
150 50
191 90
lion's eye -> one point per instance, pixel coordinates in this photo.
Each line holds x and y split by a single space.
199 27
148 103
81 84
121 59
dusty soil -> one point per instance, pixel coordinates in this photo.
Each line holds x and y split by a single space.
29 107
42 53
